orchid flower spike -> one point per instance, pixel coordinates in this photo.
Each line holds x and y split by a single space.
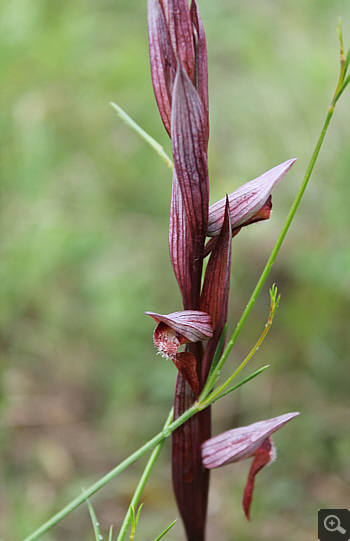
179 70
245 442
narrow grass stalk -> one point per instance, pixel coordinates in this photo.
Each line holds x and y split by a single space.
141 485
95 522
265 273
160 536
154 144
215 394
112 474
239 384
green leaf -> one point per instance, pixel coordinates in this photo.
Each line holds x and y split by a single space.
130 122
95 523
252 376
134 520
218 352
165 531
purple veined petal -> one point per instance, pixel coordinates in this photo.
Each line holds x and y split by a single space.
262 214
247 200
245 442
240 443
177 15
163 60
181 250
190 156
201 60
192 325
216 287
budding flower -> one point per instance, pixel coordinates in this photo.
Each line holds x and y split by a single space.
249 203
245 442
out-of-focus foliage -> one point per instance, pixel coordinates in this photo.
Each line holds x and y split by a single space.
84 253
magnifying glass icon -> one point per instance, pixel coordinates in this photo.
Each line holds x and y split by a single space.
332 524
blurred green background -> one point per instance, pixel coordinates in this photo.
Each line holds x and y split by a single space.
84 253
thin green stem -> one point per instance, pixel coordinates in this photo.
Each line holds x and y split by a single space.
154 144
341 90
112 474
204 399
141 485
95 523
265 273
240 383
160 536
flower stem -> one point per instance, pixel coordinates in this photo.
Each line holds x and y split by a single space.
208 399
167 430
239 384
154 144
143 481
341 85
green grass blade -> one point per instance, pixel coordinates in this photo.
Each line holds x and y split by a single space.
252 376
95 523
130 122
130 515
218 351
165 531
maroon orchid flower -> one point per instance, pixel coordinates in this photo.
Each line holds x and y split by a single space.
180 328
250 203
179 72
245 442
173 330
247 201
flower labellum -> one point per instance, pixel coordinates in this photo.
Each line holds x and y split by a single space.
245 442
